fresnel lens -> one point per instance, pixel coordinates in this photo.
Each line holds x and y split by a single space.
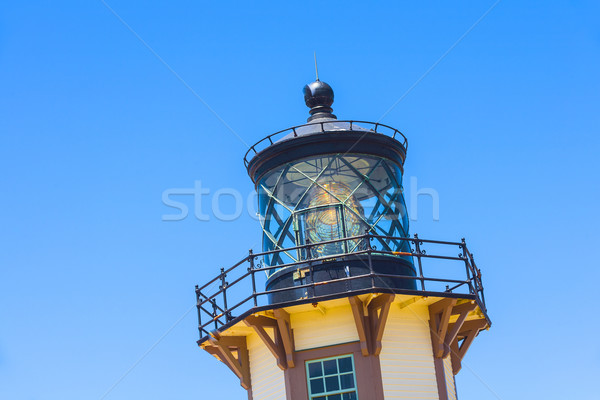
335 214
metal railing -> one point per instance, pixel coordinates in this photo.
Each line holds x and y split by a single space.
327 126
237 295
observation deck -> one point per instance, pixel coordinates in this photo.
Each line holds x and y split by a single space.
443 270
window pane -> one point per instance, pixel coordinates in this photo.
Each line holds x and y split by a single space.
345 364
347 381
332 378
314 369
332 383
316 386
330 367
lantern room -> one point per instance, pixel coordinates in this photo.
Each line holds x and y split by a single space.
323 185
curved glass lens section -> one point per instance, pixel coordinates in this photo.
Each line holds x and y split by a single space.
324 221
318 200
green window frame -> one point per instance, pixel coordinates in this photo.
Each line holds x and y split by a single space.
332 378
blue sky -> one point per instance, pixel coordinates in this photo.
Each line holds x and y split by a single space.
94 128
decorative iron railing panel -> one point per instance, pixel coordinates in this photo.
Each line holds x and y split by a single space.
322 127
233 294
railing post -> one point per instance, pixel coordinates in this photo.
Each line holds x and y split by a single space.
482 297
369 250
418 251
214 306
251 270
476 276
466 257
223 287
310 270
199 312
477 271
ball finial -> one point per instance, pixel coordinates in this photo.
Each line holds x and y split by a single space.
318 96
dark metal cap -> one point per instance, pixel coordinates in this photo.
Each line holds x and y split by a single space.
319 97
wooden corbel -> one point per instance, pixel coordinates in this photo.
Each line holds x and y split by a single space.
463 311
281 345
444 333
439 317
223 347
370 321
287 335
379 309
467 334
362 328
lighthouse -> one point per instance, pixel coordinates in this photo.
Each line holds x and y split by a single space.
341 303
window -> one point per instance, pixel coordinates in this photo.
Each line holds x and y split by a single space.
332 378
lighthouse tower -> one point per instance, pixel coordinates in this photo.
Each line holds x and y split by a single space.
341 303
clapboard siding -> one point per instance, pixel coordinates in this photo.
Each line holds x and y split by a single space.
267 379
449 378
314 329
407 366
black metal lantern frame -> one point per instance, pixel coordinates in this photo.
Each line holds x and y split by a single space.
327 197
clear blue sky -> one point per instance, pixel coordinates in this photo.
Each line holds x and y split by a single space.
94 128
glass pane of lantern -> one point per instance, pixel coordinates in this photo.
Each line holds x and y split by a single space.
330 197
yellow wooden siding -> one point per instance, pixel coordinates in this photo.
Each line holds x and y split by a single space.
314 329
407 366
268 382
449 378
